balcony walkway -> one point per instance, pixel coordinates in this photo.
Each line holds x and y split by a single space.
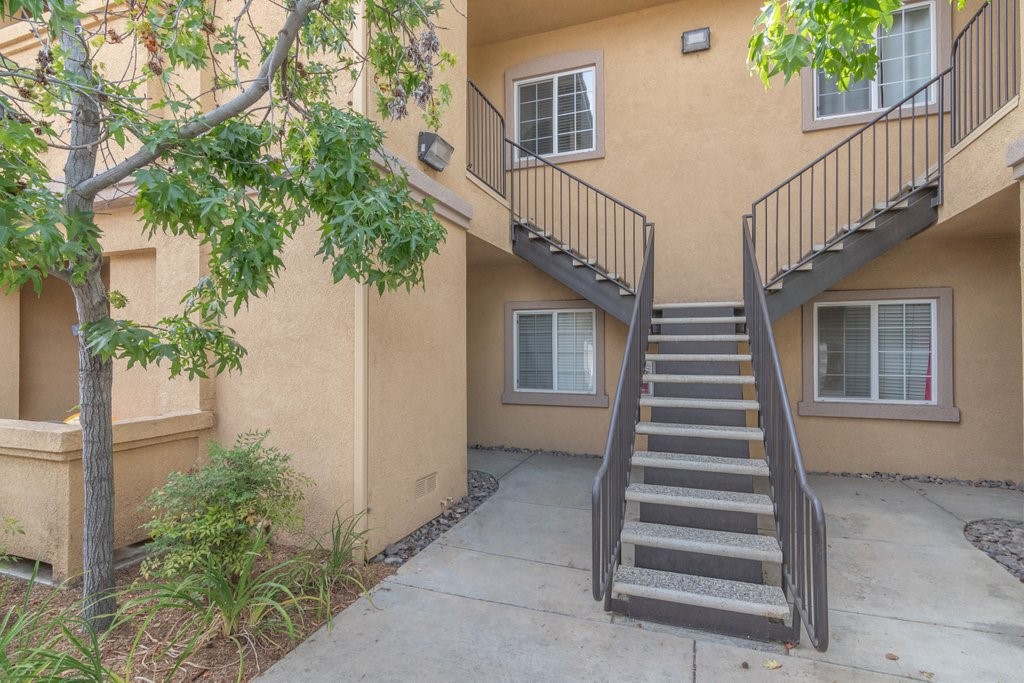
505 595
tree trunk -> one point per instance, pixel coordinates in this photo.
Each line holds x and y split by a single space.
95 377
95 385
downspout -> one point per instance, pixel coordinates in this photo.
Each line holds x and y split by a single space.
361 399
361 394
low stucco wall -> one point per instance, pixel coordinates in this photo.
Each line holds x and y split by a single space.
41 480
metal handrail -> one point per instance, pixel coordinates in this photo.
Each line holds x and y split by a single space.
985 60
853 183
485 140
608 502
799 514
602 231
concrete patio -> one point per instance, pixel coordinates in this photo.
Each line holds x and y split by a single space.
505 595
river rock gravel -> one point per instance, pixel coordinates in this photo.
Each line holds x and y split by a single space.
481 487
930 479
1000 539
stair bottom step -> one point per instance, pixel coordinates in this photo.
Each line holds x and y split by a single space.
700 591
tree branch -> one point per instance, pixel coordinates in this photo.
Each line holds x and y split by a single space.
259 87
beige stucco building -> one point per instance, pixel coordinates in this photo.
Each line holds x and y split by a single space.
377 397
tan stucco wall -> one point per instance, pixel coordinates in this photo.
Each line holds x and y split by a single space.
48 386
298 375
987 443
492 423
42 489
417 395
10 350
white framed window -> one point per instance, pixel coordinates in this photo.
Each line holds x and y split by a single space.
555 351
906 61
556 114
876 351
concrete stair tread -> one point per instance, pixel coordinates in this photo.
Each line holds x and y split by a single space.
701 431
699 379
700 304
704 541
657 338
701 463
698 403
700 357
702 591
707 499
697 321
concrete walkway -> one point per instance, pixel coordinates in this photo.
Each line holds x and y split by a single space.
505 595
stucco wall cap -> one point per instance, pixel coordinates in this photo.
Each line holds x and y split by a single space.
58 441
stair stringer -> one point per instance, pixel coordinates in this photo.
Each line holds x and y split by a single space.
859 248
582 280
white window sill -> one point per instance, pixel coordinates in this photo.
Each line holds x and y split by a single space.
543 398
879 411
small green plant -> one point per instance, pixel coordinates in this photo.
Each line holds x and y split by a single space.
212 516
38 643
8 527
254 604
337 552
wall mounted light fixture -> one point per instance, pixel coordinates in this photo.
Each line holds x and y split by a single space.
696 40
434 151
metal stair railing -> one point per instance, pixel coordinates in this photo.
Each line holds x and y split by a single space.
799 514
485 140
599 231
985 62
855 182
608 503
896 154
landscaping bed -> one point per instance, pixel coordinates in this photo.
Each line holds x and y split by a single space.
152 639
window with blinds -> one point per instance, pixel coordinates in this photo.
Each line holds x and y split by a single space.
555 114
905 63
555 351
875 351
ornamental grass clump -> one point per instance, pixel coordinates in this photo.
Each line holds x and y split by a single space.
211 518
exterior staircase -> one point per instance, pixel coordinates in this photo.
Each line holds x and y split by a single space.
585 276
698 545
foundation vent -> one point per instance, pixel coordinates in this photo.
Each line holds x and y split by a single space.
427 484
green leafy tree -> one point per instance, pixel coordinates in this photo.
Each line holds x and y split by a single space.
230 121
836 36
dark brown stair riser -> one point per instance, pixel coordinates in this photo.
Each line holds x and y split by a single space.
728 448
699 518
717 621
699 564
712 481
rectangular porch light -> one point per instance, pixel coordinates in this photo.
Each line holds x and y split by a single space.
696 40
434 151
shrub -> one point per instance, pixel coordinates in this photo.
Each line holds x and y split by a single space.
211 517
